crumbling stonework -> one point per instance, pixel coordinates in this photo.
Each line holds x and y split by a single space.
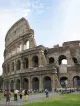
28 66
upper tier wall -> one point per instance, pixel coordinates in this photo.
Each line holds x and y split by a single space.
18 29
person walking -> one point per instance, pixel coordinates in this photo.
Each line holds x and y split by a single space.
8 96
21 94
47 93
26 95
15 94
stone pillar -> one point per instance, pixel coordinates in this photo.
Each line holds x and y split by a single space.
9 85
69 60
71 83
14 84
40 59
29 87
53 82
30 61
32 42
40 84
15 66
22 46
21 81
21 64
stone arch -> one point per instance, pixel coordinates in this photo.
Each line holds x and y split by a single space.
25 83
47 83
75 60
64 81
25 63
12 66
76 81
35 61
18 84
19 47
18 65
51 60
35 83
62 59
13 50
9 52
26 44
12 85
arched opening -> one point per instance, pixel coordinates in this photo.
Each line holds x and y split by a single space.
18 84
12 85
13 50
12 66
47 83
35 61
51 60
35 83
26 45
20 47
76 81
25 63
25 83
75 60
64 82
18 65
62 59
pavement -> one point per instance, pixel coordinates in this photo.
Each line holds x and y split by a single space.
32 98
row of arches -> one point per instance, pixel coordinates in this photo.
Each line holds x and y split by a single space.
47 84
16 49
62 60
11 66
75 80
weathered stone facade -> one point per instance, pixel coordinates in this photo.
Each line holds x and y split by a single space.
28 66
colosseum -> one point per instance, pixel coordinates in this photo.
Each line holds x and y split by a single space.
28 66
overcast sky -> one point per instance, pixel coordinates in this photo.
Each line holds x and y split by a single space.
54 21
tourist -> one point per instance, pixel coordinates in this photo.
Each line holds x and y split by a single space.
21 94
5 93
26 95
8 96
46 91
15 94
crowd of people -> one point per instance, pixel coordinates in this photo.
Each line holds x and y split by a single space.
21 93
7 94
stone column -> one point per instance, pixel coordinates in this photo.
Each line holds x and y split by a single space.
21 64
14 84
40 59
29 87
40 83
53 82
22 46
30 61
14 66
20 84
71 83
9 85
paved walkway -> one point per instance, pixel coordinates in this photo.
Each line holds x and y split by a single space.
32 98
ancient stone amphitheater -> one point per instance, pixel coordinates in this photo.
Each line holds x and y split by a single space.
28 66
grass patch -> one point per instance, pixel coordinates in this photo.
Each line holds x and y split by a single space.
61 100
